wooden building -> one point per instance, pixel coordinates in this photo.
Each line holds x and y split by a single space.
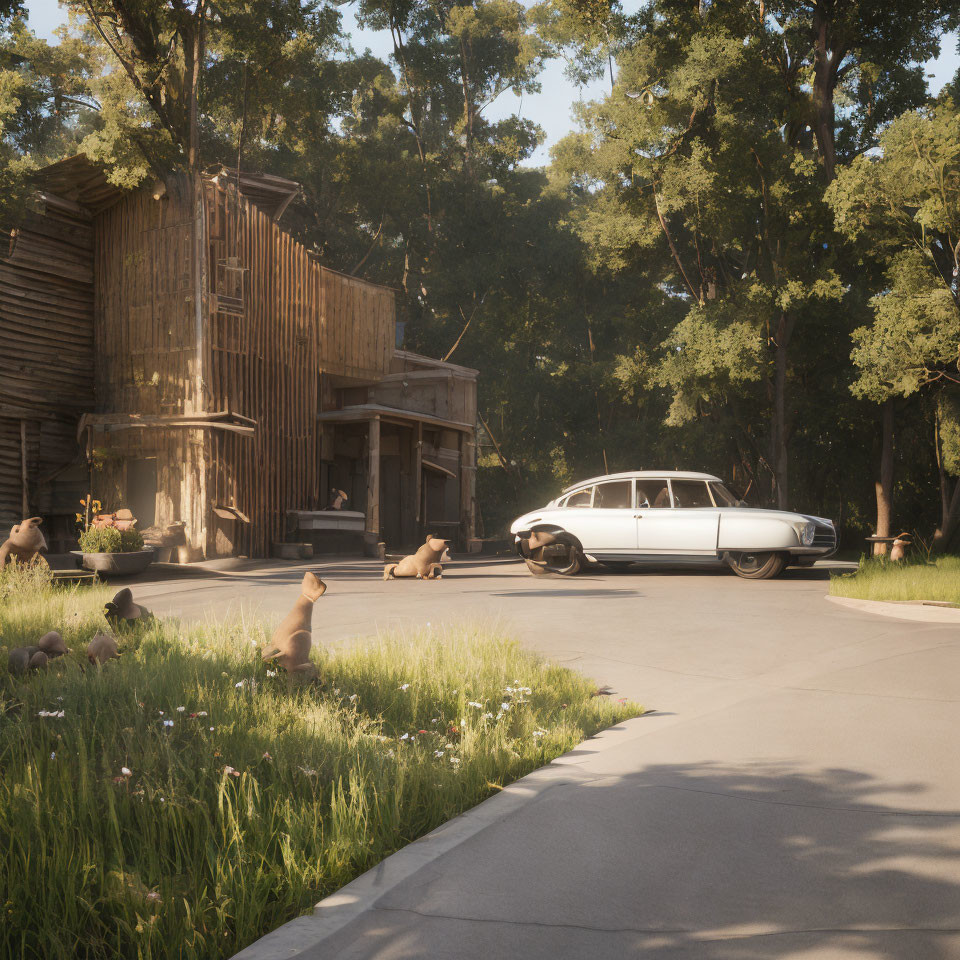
178 343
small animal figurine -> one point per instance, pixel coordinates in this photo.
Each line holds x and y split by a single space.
39 661
24 543
102 648
290 644
424 564
18 660
121 610
52 645
337 499
898 550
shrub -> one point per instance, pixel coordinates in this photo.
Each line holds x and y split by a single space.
100 540
110 540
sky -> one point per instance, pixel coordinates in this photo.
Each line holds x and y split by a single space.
552 108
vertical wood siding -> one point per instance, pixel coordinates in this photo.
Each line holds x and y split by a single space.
46 357
276 320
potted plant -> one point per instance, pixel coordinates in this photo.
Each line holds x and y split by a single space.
111 544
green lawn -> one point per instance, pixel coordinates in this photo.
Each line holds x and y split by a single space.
880 580
182 802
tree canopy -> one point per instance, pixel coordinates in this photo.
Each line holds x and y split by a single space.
747 249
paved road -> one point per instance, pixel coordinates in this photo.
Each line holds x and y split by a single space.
796 795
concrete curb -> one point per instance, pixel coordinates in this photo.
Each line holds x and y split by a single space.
334 912
903 610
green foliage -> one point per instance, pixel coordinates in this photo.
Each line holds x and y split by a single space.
110 540
905 207
187 801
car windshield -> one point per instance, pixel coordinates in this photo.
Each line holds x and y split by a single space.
722 496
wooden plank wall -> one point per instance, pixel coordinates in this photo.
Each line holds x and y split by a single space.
263 365
357 332
147 349
295 319
146 321
46 357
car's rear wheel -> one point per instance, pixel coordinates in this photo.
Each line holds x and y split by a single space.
551 552
756 565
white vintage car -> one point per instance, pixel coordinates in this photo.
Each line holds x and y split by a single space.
666 516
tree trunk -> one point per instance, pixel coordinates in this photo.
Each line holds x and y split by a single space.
824 81
779 459
194 58
884 483
949 499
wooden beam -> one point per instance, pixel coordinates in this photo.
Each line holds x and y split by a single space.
23 468
371 536
468 488
418 462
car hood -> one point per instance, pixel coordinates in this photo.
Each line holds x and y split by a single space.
551 513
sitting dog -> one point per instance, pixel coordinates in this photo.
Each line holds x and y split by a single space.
424 564
24 543
291 641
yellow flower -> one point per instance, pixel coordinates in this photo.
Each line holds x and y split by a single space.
97 505
79 518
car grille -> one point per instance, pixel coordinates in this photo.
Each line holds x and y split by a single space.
825 537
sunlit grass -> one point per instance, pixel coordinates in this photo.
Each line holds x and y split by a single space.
881 580
187 802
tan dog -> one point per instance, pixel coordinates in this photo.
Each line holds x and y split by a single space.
424 564
24 543
290 643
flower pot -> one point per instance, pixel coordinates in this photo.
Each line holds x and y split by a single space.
117 564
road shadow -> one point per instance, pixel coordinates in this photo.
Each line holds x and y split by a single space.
687 862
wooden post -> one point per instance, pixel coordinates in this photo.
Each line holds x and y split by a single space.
468 480
23 469
371 535
418 470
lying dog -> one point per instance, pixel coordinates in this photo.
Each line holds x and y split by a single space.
424 564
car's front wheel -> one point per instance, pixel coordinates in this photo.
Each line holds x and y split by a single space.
756 565
551 552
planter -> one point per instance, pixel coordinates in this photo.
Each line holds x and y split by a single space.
117 564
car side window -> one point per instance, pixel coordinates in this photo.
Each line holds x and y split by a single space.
691 493
614 495
582 498
652 493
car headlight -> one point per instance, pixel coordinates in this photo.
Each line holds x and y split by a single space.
805 532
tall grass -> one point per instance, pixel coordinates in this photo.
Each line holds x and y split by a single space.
877 579
187 801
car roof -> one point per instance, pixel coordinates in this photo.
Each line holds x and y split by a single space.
645 474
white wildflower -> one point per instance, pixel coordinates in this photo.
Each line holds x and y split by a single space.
126 771
181 709
405 736
202 713
438 753
473 703
404 686
168 723
455 761
271 673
